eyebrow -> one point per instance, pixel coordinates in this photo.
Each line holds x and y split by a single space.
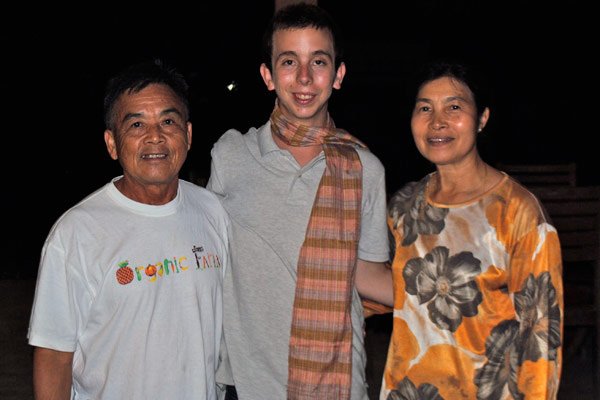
456 98
446 99
314 53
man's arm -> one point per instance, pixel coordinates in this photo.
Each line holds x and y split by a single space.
52 374
374 282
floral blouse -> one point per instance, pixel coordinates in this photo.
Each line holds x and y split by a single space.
478 304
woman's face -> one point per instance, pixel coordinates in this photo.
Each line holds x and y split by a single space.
444 121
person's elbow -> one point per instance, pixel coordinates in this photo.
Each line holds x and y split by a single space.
374 282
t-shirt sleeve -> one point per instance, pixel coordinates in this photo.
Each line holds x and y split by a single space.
373 244
53 321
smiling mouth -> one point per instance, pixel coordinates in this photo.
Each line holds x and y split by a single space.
303 98
158 156
439 140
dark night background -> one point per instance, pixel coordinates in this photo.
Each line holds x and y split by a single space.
56 63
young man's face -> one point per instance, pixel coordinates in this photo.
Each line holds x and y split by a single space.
303 74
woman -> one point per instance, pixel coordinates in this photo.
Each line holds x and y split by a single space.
477 266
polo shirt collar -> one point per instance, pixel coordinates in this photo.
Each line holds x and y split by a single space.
266 144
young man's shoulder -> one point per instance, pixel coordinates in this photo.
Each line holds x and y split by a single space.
234 145
371 162
233 137
202 197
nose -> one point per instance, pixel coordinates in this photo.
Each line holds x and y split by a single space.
155 134
304 74
438 121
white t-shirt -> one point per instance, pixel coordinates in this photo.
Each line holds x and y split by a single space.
135 291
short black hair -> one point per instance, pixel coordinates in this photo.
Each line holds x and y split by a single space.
468 73
138 76
298 16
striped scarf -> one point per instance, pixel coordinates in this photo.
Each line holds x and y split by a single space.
320 353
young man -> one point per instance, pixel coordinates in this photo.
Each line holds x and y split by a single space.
307 204
128 303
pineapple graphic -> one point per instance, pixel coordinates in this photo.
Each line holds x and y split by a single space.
124 273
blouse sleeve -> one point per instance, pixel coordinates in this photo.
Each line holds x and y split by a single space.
535 285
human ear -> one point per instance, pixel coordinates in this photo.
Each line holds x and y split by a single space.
339 76
111 145
265 72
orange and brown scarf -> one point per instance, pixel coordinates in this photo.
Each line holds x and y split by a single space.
320 354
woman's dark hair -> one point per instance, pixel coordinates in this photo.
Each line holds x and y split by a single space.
468 74
298 16
138 76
